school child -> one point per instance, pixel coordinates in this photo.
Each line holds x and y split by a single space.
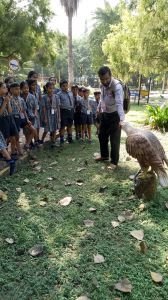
29 130
94 105
67 111
86 116
80 91
33 75
6 155
32 83
17 107
77 111
51 112
51 116
7 123
8 81
54 81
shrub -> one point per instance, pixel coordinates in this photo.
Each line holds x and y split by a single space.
157 117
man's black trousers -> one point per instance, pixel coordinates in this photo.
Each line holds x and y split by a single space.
109 128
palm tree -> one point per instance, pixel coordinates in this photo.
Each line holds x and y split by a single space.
70 7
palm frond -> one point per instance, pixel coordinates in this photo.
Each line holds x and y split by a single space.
70 6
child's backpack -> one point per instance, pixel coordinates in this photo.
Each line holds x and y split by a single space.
127 97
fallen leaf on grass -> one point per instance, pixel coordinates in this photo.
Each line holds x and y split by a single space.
50 178
68 183
9 241
92 209
143 247
26 180
88 223
83 298
38 168
96 154
132 197
3 196
166 204
42 203
80 169
36 250
121 219
34 163
54 163
79 183
128 215
19 189
65 201
156 277
137 234
115 224
124 286
103 188
98 259
142 207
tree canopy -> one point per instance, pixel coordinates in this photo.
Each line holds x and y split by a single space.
139 42
24 33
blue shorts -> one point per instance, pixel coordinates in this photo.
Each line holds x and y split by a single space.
77 118
86 119
67 117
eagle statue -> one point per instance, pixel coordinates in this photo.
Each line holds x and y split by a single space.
145 147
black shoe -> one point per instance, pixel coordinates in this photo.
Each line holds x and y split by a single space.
12 167
40 142
14 156
61 140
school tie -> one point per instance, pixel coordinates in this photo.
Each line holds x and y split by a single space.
70 101
75 102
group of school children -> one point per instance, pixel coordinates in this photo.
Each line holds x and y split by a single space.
24 106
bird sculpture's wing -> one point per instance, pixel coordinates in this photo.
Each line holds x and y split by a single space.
138 146
141 148
157 145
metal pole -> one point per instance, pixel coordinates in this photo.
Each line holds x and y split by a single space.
140 82
149 88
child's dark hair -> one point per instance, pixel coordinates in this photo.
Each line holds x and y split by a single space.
15 84
63 82
48 84
51 78
104 70
74 86
1 84
31 81
7 79
23 83
31 73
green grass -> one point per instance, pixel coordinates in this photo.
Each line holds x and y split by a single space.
66 269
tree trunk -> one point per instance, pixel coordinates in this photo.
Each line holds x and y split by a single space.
70 55
163 83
